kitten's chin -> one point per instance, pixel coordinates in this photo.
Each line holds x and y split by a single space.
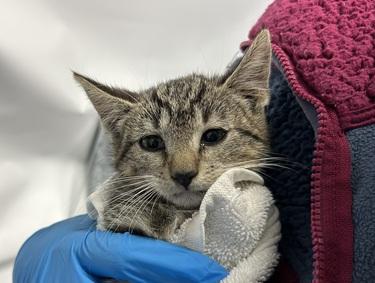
187 200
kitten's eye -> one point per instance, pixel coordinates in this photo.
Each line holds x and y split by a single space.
213 136
152 143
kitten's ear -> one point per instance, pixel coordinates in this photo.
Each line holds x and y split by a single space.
251 77
110 103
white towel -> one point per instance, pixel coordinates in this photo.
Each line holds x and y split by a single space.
238 225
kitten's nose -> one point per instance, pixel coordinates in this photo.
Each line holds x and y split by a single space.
184 178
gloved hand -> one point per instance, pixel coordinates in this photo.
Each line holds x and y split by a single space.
74 251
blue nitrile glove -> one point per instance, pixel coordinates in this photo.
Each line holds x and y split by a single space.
73 251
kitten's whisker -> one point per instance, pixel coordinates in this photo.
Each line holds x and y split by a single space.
283 160
119 218
122 193
111 225
138 203
155 201
127 185
257 164
269 177
132 202
135 177
272 165
124 205
118 178
260 172
136 195
155 195
130 182
149 200
242 164
143 205
128 204
120 190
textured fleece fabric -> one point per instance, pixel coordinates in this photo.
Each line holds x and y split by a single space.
292 139
331 43
362 143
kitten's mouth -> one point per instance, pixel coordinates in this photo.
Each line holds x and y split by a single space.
187 200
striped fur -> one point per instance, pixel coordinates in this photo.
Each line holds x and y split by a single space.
180 111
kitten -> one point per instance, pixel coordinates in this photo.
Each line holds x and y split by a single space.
172 141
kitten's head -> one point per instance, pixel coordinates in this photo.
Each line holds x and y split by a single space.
186 132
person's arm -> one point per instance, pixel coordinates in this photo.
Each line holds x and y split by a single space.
74 251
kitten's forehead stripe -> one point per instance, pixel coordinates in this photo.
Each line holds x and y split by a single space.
198 89
157 98
155 111
181 99
206 114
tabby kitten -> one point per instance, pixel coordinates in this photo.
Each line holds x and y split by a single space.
172 141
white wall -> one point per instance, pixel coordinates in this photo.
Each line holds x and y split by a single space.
46 122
